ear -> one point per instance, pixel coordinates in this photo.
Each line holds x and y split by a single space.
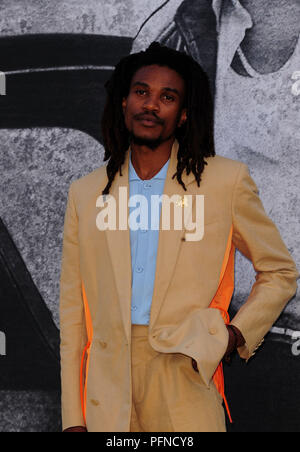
183 117
124 104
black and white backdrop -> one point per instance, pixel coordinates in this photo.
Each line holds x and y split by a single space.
54 60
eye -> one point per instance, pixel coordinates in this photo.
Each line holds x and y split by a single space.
138 91
169 98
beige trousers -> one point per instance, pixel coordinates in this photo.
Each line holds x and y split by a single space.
168 394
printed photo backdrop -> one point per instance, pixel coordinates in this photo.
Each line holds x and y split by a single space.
55 58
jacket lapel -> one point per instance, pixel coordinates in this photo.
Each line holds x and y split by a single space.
169 240
119 248
168 244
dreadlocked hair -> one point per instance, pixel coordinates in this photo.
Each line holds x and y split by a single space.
195 136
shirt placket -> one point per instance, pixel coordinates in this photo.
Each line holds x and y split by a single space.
139 306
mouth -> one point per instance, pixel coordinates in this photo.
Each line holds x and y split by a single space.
148 122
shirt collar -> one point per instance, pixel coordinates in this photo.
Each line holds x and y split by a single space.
161 175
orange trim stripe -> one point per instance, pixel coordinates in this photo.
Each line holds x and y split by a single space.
222 301
89 325
84 367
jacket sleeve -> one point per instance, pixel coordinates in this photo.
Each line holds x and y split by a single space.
72 321
257 237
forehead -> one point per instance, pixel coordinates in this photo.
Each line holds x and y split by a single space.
159 77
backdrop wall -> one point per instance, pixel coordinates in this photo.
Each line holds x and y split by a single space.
56 57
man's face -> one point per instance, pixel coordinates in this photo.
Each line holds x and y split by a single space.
153 108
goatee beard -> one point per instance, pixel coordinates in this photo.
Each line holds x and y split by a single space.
149 142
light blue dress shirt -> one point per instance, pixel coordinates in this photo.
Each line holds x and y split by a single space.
143 243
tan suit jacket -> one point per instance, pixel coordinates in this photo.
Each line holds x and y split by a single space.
186 280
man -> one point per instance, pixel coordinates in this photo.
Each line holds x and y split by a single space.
144 324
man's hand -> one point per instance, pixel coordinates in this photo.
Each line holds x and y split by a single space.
236 340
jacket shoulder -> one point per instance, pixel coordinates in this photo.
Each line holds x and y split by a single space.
224 167
228 163
222 173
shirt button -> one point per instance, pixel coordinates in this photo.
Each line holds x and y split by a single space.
139 269
147 185
213 331
134 308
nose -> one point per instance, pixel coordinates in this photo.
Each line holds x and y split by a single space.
151 104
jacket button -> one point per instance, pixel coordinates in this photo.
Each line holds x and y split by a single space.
95 402
102 344
213 331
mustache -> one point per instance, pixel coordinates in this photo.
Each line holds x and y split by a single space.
148 116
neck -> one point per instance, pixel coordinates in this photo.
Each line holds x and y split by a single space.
148 162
